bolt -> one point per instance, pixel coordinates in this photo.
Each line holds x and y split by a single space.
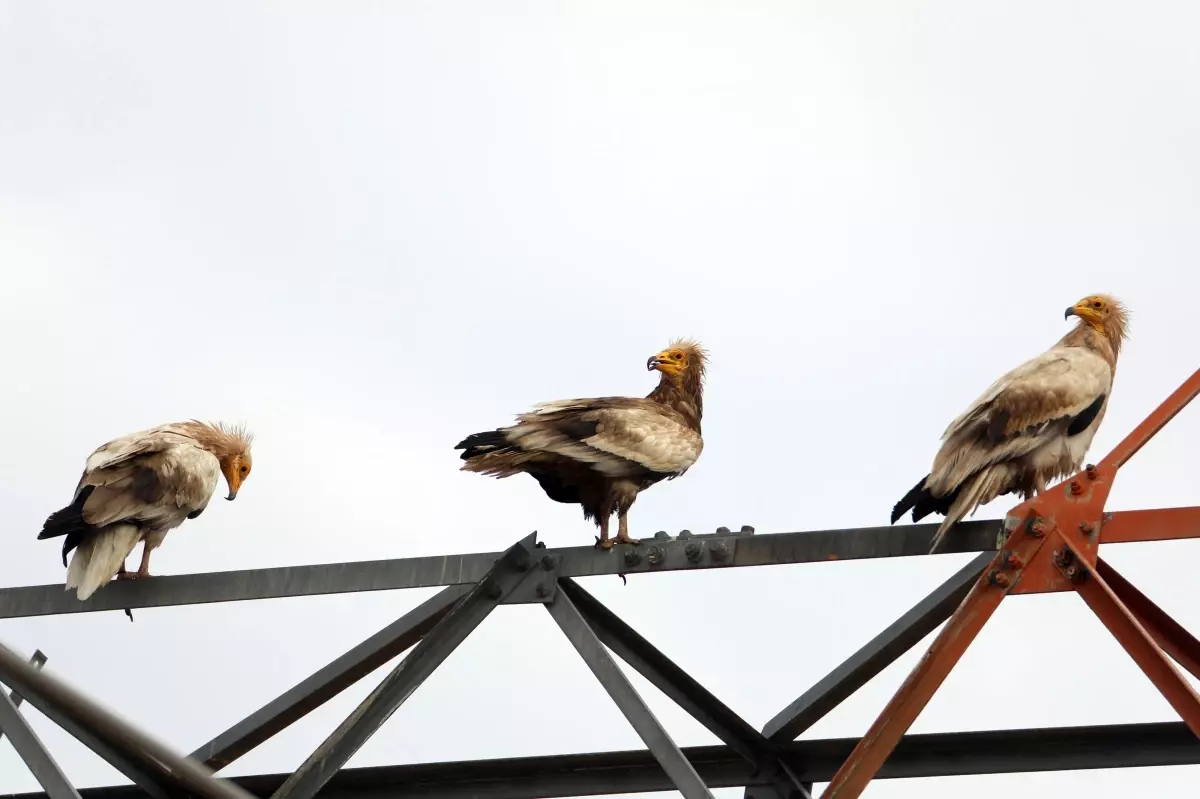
1072 573
1039 528
547 563
1075 487
523 565
999 578
654 556
747 530
1014 561
492 591
1090 470
542 590
1061 558
632 558
540 545
692 550
722 531
1086 528
1108 516
685 533
661 535
719 551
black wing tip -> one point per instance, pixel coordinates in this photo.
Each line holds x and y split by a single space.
482 443
912 500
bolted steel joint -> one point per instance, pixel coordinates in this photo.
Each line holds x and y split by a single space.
999 578
632 557
661 535
492 591
1086 528
654 556
1062 558
722 531
1090 471
747 530
542 590
692 550
685 534
1075 574
1039 527
1013 560
719 551
1075 488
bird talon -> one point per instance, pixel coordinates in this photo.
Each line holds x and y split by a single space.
627 540
606 544
623 580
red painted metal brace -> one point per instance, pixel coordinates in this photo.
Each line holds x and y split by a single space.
1052 546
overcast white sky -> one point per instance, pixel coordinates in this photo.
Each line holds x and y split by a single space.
371 228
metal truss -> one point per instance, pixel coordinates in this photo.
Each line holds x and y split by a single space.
1049 544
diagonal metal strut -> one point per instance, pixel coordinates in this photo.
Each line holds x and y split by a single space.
467 614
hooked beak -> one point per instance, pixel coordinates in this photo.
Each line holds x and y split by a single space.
1072 311
653 362
232 495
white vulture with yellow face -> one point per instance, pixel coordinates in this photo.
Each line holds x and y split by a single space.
138 488
1031 427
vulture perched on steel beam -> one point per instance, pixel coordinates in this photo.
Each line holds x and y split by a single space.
601 452
140 487
1031 427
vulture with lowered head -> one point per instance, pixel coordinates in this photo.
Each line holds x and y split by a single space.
600 453
140 487
1031 427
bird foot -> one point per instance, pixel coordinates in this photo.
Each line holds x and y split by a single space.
140 574
604 543
627 540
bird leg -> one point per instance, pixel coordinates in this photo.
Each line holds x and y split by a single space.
144 570
623 531
604 542
122 574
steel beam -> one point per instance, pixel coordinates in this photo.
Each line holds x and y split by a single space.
33 752
467 614
37 660
327 683
879 653
677 554
154 768
622 772
573 624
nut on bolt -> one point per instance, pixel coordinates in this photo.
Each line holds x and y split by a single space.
722 531
719 551
1075 487
1039 528
548 562
542 590
1086 528
1014 561
999 578
747 530
632 557
692 550
1090 471
1062 557
654 556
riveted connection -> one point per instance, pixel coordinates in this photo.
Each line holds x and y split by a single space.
999 578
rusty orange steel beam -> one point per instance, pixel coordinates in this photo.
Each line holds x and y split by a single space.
1145 431
1113 613
941 657
1170 635
1160 524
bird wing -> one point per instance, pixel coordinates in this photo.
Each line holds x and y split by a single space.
1023 410
162 478
617 436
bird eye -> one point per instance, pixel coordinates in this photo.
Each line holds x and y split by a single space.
1097 304
245 470
677 356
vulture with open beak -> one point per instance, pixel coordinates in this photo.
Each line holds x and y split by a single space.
600 453
1031 427
140 487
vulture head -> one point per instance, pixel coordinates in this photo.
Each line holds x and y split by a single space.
682 357
1105 314
231 445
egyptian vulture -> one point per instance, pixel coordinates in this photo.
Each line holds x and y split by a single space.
138 488
600 453
1032 427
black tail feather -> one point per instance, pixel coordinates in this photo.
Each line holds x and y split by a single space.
68 522
922 503
481 443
